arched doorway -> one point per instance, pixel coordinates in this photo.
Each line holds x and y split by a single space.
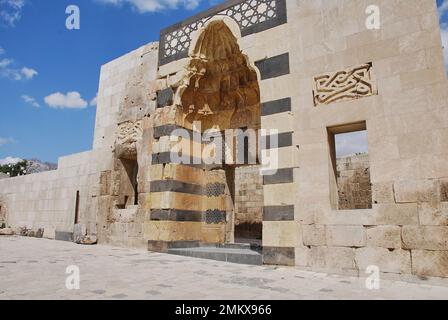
220 98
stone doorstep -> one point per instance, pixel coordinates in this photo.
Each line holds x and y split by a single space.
232 255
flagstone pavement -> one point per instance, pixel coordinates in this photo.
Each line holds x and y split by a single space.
33 268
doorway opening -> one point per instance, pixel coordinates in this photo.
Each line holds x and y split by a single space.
221 95
351 185
128 195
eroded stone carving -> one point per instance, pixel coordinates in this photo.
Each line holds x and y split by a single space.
128 135
344 85
219 87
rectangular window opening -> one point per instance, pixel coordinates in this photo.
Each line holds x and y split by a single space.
350 184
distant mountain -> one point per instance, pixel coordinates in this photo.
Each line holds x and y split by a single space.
36 166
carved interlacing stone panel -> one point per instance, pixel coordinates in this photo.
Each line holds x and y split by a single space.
128 135
246 14
345 85
129 132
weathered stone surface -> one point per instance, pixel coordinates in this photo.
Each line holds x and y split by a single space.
345 236
425 237
384 237
430 263
39 233
280 233
79 232
383 192
397 214
417 191
279 255
396 261
331 258
444 190
433 214
49 232
89 240
314 235
6 232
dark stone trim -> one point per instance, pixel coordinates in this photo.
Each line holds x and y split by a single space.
274 107
209 216
64 236
284 140
278 213
168 130
215 216
164 246
165 157
279 20
273 67
281 176
279 256
176 215
263 26
176 186
165 98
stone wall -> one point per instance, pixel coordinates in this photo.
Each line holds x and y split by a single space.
248 202
401 96
47 200
353 179
126 103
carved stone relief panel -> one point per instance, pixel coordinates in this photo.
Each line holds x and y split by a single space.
349 84
129 133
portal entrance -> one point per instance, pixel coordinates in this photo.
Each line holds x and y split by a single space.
220 97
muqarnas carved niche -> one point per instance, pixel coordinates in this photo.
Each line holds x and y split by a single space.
220 87
349 84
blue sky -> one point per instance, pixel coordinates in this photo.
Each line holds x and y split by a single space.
34 38
49 74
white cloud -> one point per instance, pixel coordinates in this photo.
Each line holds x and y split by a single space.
29 73
93 102
15 74
31 101
4 63
11 11
443 8
2 51
9 160
143 6
71 100
4 141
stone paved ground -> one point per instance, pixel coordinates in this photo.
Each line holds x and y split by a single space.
35 269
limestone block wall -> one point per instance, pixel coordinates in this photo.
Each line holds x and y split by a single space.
353 179
248 201
124 130
48 200
405 109
400 96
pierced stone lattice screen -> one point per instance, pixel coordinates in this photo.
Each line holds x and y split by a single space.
344 85
250 15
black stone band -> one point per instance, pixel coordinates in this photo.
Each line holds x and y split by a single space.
176 186
274 107
210 190
278 213
281 176
279 256
273 67
284 140
209 216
